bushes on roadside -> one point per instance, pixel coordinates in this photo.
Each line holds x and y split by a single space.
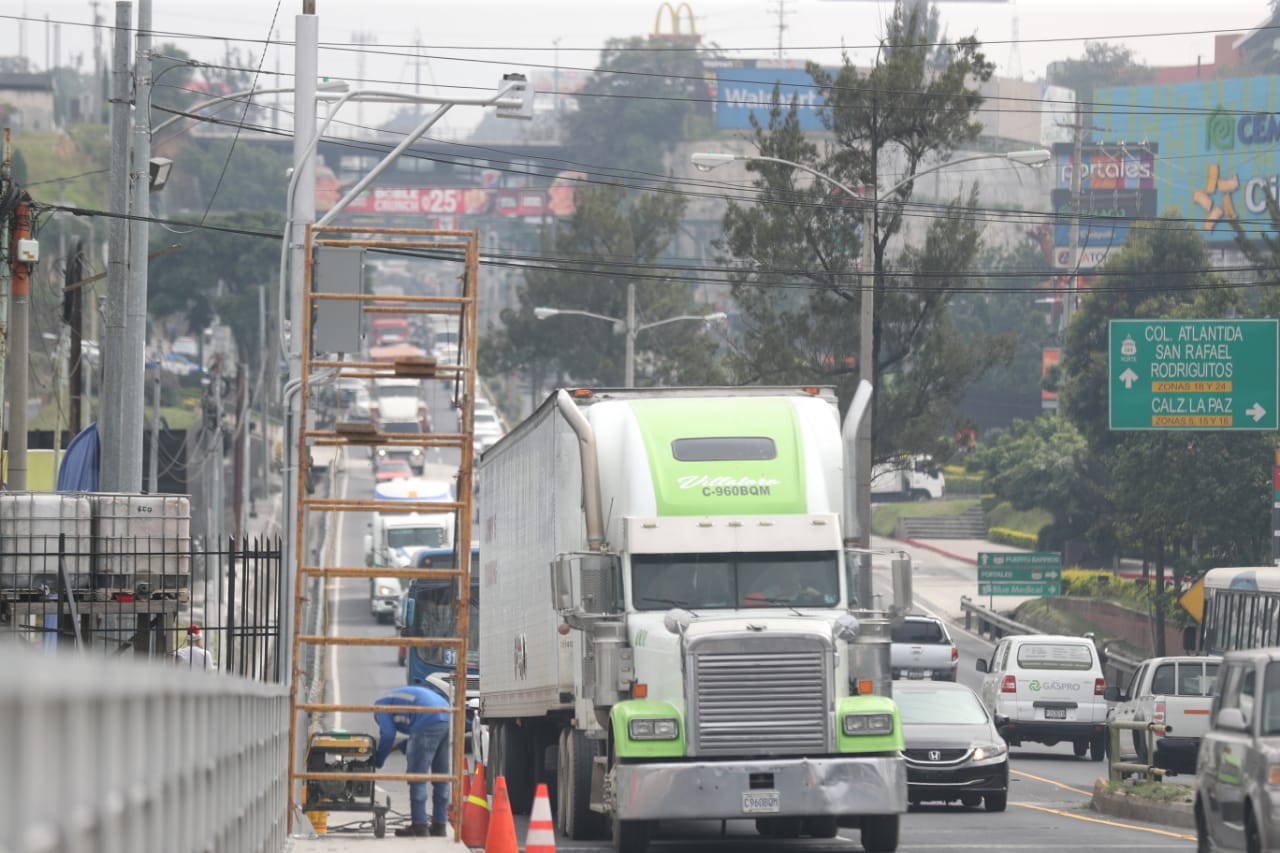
1015 538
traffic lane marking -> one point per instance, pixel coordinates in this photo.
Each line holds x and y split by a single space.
1150 829
1048 781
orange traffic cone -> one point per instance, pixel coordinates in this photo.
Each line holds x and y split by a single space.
502 829
475 811
541 837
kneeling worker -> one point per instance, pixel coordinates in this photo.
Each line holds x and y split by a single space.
426 750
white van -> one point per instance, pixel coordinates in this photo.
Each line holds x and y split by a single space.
1046 688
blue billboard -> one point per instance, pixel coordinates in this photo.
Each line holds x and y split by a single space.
741 92
1219 146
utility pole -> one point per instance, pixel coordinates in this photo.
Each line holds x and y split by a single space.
239 480
113 340
21 348
1077 175
132 391
153 474
629 364
73 311
6 277
99 84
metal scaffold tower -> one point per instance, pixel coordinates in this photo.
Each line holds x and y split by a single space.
459 309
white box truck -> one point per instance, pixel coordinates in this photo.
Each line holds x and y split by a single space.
666 629
907 478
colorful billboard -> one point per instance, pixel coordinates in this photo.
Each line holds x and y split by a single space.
1117 184
1218 151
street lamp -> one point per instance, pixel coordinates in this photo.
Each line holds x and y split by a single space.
628 327
705 162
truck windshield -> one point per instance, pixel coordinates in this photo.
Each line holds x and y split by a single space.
731 581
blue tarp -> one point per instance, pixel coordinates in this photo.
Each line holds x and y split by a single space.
79 469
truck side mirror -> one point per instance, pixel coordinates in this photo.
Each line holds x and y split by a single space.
598 583
368 549
562 584
1189 638
1112 694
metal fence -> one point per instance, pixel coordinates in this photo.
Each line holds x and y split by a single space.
140 597
121 756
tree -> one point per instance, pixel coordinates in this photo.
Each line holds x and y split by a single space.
794 260
1008 308
1044 463
1165 489
1102 65
611 241
218 273
637 105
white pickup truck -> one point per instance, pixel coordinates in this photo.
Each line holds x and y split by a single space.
1176 692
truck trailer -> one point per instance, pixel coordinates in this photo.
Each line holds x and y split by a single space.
668 628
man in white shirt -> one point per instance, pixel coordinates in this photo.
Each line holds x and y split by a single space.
193 654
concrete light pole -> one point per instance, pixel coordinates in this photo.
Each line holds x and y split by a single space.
627 327
866 326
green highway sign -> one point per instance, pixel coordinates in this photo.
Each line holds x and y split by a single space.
998 588
1194 374
1019 573
1019 560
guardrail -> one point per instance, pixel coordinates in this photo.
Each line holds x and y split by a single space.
118 754
1117 767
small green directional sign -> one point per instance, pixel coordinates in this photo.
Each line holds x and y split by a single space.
1019 573
1194 375
1041 589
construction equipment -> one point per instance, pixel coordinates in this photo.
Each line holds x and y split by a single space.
344 752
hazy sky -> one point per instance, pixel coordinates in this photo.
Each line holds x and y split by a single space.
470 43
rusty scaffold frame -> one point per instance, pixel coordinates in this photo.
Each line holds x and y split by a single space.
436 245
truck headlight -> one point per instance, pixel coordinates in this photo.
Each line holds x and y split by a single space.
868 724
663 728
386 590
417 451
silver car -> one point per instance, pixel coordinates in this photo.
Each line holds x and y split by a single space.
1238 766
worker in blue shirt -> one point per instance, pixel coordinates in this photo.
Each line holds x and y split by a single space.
426 751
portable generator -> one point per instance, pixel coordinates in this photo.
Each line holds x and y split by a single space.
344 752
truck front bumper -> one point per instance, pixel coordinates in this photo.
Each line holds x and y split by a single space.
828 785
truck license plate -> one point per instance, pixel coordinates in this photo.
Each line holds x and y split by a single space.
761 802
1055 713
915 673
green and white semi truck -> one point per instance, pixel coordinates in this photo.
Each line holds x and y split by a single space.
668 629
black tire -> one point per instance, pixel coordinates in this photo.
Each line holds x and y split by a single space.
631 836
970 801
1202 829
821 827
880 833
379 825
996 801
1080 747
1252 837
574 817
1098 747
514 761
1140 746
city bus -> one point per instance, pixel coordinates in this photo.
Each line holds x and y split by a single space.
428 610
1241 609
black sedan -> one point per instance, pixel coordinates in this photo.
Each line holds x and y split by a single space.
954 751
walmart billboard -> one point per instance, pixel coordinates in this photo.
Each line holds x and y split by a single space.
1219 146
745 90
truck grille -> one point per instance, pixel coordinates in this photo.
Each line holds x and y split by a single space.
760 695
